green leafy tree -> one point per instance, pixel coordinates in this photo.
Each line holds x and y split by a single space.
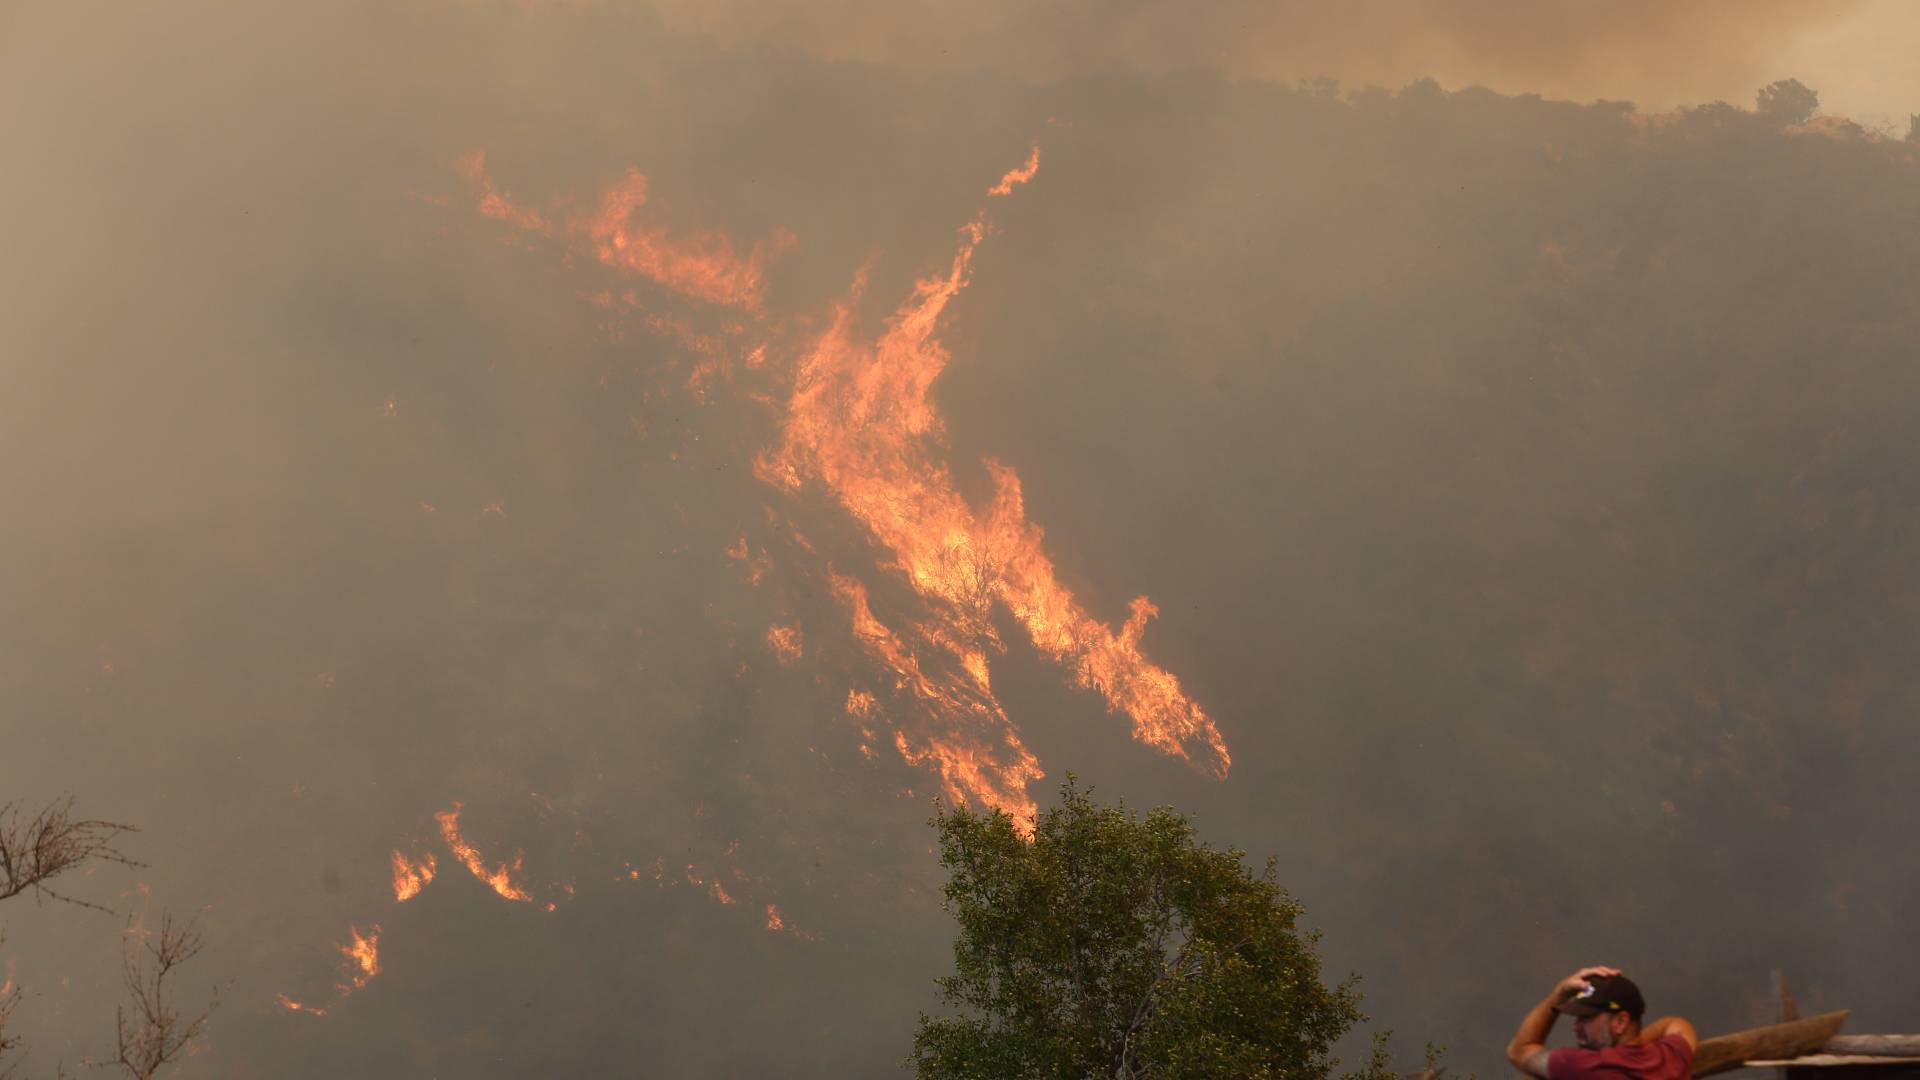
1787 101
1111 944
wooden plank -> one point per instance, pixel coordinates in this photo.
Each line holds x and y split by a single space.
1837 1059
1771 1043
1875 1045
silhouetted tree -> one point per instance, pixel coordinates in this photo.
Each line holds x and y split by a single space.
36 849
1114 945
152 1032
1787 101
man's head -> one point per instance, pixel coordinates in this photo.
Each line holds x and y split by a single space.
1606 1013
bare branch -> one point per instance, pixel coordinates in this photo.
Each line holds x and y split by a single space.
152 1032
35 850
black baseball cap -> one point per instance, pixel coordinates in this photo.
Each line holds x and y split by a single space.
1609 993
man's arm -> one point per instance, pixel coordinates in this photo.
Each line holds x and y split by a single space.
1528 1050
1669 1025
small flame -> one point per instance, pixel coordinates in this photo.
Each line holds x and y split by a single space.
756 566
409 876
702 265
363 955
495 203
774 921
291 1005
1016 177
785 642
500 878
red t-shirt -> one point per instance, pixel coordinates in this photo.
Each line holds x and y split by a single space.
1666 1058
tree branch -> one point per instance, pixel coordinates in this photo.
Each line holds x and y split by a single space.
155 1034
35 850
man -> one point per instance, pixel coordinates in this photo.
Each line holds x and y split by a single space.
1606 1008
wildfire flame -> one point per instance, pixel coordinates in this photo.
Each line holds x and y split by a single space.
860 424
701 264
1016 177
785 641
291 1005
363 955
500 878
409 877
495 203
972 722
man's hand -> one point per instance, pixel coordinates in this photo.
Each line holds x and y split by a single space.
1528 1052
1577 983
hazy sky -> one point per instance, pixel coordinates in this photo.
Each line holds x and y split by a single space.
639 456
1659 55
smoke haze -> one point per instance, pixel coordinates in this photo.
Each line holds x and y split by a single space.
1526 490
1646 51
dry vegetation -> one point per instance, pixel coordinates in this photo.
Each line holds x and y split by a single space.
34 850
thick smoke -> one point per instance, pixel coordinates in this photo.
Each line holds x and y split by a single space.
1644 50
1526 488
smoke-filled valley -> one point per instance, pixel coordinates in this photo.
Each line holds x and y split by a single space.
559 497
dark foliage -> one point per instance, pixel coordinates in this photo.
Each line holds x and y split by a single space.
1111 944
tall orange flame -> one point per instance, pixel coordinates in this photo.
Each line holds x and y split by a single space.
500 878
410 876
861 423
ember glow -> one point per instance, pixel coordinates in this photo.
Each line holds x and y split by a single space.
410 876
498 878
